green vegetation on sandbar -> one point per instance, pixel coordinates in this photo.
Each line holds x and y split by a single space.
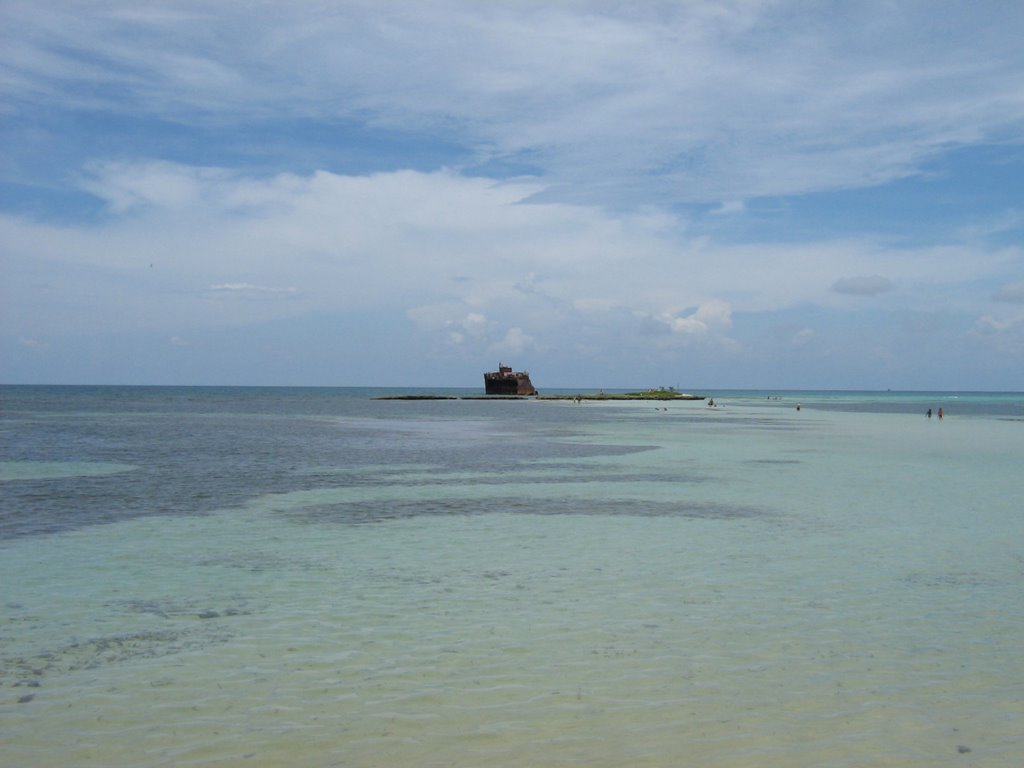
656 394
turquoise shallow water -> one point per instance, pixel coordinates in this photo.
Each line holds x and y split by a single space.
266 578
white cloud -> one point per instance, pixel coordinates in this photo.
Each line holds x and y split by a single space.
803 336
987 324
248 291
713 318
514 342
623 115
730 208
470 328
474 322
701 101
1012 293
1004 335
33 344
161 185
867 285
450 252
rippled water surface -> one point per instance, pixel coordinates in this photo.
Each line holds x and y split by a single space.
317 578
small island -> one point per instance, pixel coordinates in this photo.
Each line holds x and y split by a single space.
660 394
647 394
507 384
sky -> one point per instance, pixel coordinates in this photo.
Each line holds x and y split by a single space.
728 194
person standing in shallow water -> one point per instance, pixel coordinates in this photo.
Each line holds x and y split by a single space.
940 413
929 414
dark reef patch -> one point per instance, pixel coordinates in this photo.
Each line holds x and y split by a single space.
364 512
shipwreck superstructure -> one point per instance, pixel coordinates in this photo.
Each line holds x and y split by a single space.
505 381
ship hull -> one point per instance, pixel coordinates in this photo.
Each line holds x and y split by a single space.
505 381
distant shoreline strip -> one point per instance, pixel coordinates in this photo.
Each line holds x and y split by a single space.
599 397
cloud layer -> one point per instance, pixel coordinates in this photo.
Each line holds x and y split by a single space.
676 182
697 101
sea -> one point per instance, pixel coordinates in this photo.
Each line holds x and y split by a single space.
195 576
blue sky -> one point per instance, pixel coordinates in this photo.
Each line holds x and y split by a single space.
699 194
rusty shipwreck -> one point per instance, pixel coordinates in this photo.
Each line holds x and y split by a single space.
505 381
